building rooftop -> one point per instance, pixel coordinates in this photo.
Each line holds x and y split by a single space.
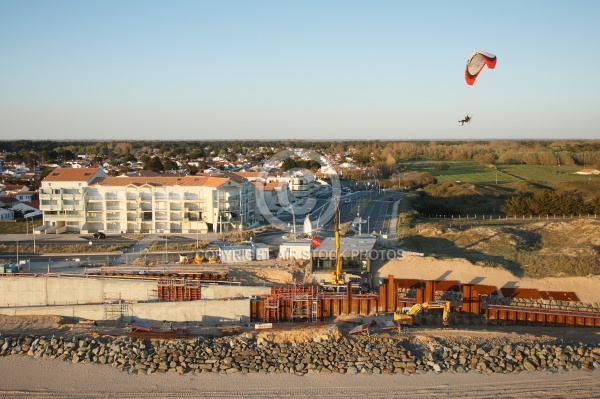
72 174
348 245
162 180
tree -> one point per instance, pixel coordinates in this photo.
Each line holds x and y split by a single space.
154 164
169 165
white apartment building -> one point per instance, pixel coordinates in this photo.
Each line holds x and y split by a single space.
87 200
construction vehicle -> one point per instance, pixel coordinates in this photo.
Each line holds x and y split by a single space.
337 277
406 318
184 260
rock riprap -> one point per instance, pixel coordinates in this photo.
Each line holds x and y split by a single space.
250 353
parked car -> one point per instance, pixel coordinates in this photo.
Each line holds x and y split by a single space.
390 198
99 235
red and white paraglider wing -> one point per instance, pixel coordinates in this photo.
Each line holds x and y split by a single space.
475 64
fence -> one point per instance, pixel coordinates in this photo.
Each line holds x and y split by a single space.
475 217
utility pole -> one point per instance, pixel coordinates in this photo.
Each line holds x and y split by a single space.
359 220
293 221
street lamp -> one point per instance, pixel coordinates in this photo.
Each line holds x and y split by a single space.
17 253
32 230
369 225
293 221
359 220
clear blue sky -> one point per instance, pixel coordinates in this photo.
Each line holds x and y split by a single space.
297 69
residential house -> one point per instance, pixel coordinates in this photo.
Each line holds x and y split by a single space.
7 214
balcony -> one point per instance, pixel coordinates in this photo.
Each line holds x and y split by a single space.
113 208
65 207
192 198
93 198
53 217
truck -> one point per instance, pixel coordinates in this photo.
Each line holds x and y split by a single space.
406 318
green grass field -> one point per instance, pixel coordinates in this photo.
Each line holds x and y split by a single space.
472 172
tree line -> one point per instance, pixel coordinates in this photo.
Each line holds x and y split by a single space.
547 202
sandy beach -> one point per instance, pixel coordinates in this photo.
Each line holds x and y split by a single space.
23 377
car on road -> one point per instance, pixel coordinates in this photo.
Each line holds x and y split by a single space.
99 235
346 201
390 198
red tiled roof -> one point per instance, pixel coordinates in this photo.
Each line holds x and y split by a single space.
71 174
249 174
33 203
13 187
206 181
276 185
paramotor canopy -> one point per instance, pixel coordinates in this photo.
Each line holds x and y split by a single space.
475 64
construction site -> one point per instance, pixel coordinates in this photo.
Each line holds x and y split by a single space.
193 293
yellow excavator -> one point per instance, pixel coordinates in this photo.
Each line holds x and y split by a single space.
406 318
184 260
337 277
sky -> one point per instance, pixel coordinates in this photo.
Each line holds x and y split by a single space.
327 70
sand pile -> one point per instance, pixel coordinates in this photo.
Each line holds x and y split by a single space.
304 334
45 323
427 268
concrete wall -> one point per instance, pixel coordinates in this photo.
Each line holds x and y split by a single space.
207 311
212 291
50 291
33 291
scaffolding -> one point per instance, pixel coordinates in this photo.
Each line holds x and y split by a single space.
303 299
271 309
115 308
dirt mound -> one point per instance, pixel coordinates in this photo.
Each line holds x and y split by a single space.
14 324
535 248
299 335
